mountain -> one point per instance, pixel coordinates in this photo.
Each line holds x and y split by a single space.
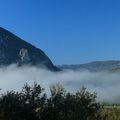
97 66
15 50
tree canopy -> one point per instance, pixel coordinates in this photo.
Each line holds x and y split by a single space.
31 103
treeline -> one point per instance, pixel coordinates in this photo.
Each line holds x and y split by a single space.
33 104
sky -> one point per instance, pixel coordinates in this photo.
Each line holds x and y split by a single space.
68 31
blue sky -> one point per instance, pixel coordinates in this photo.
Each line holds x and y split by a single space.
69 31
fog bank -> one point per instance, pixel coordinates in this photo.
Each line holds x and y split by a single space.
107 85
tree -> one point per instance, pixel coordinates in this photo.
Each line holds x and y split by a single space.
63 106
32 104
22 105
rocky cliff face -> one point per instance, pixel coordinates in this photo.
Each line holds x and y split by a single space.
15 50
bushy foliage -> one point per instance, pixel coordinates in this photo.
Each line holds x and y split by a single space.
32 104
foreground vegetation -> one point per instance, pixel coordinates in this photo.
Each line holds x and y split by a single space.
33 104
111 112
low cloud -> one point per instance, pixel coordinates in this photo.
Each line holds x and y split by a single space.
107 85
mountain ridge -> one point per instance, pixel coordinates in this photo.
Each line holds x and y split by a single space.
95 66
13 49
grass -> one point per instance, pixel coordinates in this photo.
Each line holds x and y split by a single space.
111 112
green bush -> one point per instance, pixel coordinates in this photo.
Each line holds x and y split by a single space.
32 104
